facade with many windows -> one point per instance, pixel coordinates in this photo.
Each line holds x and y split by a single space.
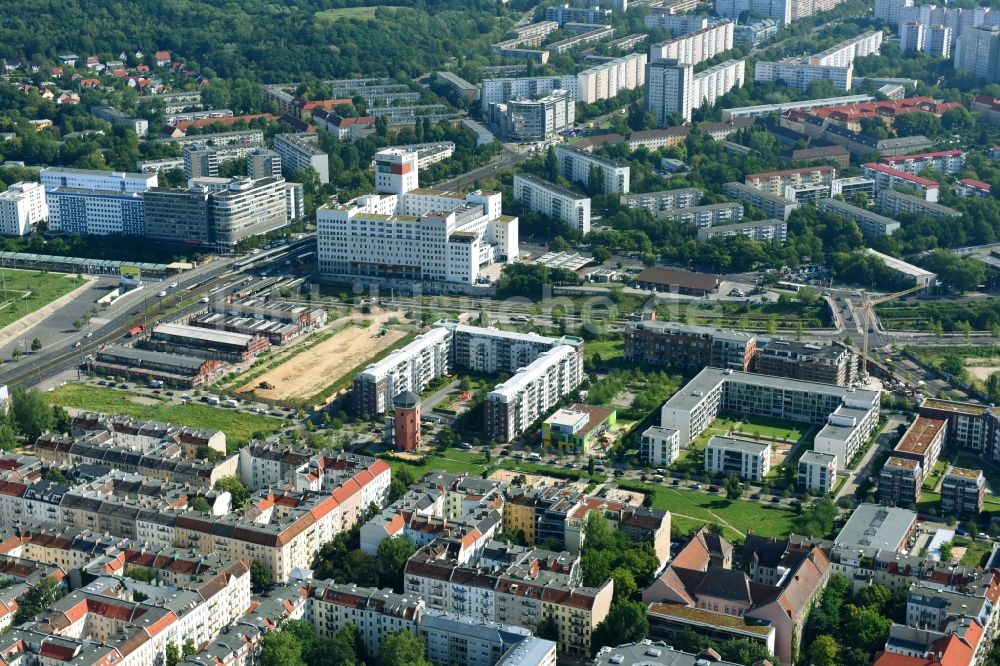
750 461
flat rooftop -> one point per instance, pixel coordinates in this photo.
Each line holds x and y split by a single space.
964 473
901 266
206 334
742 445
817 458
901 463
920 435
967 408
879 527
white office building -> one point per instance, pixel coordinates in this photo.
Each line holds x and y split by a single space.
89 179
534 120
675 88
301 151
552 201
95 212
21 206
750 461
607 79
695 47
246 208
576 165
403 233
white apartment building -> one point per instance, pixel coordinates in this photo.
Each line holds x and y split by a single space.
869 222
775 182
21 206
95 212
664 200
844 53
888 178
750 461
677 24
675 88
300 152
695 47
511 407
262 163
607 79
408 369
659 446
409 234
817 472
500 91
949 161
762 231
553 201
89 179
797 74
575 165
779 10
912 36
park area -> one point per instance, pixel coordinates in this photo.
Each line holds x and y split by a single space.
23 292
309 373
334 15
238 426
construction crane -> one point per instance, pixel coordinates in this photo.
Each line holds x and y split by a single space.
867 308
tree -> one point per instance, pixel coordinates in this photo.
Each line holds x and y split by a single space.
30 414
864 628
199 503
625 623
36 345
874 596
402 649
62 422
946 551
260 577
601 254
824 650
625 585
391 557
173 656
8 438
734 489
745 651
38 599
548 629
280 648
236 488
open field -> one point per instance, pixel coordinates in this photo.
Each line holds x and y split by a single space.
23 292
238 426
333 15
310 371
975 551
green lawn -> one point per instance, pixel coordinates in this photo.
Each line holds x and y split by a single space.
238 426
927 501
932 480
608 350
976 550
768 427
333 15
23 292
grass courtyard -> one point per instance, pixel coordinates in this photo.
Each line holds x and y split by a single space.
23 292
238 426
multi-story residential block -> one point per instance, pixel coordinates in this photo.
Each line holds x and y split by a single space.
828 364
923 441
656 139
912 35
778 10
970 427
263 163
103 181
411 234
695 47
817 472
607 79
762 231
501 91
577 165
899 481
22 206
95 212
552 201
563 14
677 24
852 187
798 74
458 85
201 162
534 120
962 492
970 187
888 178
689 346
750 461
755 32
949 161
776 207
848 416
659 446
302 152
672 87
894 203
977 52
704 216
664 200
511 407
775 182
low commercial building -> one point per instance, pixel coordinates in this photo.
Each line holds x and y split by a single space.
892 202
776 207
301 151
688 346
817 472
576 165
552 201
511 407
145 365
659 446
750 461
575 429
762 231
218 345
686 283
870 223
907 272
962 492
887 178
761 110
807 361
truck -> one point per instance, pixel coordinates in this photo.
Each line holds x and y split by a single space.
231 403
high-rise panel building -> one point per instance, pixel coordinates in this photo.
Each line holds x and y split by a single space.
672 87
176 215
263 163
201 162
95 212
977 53
21 206
300 152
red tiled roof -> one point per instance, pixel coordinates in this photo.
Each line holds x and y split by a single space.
972 182
881 168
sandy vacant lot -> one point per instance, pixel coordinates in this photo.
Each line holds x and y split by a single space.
982 373
310 371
